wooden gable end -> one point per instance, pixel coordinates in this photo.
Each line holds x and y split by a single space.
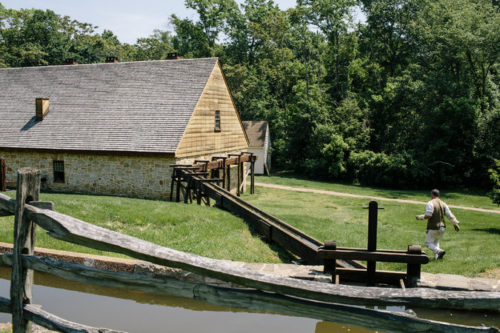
201 136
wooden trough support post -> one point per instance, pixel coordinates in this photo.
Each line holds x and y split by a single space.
330 264
251 160
21 287
413 270
372 240
238 174
252 174
3 172
215 172
228 172
204 173
223 170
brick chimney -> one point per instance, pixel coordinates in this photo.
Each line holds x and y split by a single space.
42 108
173 56
111 60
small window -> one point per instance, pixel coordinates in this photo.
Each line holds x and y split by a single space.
58 171
217 121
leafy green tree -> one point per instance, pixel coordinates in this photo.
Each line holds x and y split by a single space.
495 179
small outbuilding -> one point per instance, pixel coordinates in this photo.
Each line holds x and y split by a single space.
259 144
116 128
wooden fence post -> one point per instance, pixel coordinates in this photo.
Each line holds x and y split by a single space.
372 241
21 287
3 173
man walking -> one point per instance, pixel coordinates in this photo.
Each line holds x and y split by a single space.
435 210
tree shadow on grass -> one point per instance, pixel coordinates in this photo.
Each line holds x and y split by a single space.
494 231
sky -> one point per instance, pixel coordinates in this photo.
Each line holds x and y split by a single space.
127 19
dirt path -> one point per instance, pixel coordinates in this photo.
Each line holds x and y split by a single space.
341 194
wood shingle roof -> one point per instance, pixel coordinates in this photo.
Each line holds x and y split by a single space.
256 132
120 107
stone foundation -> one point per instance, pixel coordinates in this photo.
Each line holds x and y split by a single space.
131 176
134 176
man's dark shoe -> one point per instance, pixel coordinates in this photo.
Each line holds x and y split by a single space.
441 254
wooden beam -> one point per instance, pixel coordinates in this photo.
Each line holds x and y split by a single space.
373 256
21 287
361 275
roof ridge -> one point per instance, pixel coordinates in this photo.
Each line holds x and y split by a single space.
106 64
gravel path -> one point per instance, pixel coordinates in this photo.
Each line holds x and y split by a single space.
342 194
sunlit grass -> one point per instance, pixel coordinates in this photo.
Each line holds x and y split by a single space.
469 252
202 230
452 197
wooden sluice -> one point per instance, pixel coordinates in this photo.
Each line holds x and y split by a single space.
342 262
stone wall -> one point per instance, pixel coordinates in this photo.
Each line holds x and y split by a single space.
134 176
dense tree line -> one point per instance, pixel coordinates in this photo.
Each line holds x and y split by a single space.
407 98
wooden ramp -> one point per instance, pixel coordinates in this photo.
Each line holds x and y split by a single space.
341 262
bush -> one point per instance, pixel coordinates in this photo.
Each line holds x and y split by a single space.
381 169
495 178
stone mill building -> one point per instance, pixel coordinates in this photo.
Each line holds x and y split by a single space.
115 128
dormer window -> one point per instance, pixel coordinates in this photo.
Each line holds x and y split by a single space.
217 121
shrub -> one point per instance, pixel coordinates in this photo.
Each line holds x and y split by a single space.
495 178
381 169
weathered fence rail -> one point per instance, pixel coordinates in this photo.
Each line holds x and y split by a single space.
308 296
243 298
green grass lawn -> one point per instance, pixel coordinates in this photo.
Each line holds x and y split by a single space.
202 230
214 233
469 252
451 197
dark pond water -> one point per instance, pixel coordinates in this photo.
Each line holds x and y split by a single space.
134 311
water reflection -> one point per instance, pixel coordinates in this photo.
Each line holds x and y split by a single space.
135 311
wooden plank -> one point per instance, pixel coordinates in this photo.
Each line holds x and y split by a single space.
360 275
21 287
374 256
246 299
70 229
55 323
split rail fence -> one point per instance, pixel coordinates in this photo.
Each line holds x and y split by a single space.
268 293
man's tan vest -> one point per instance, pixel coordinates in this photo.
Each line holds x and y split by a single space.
437 219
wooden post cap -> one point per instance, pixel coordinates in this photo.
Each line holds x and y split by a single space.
330 245
414 249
